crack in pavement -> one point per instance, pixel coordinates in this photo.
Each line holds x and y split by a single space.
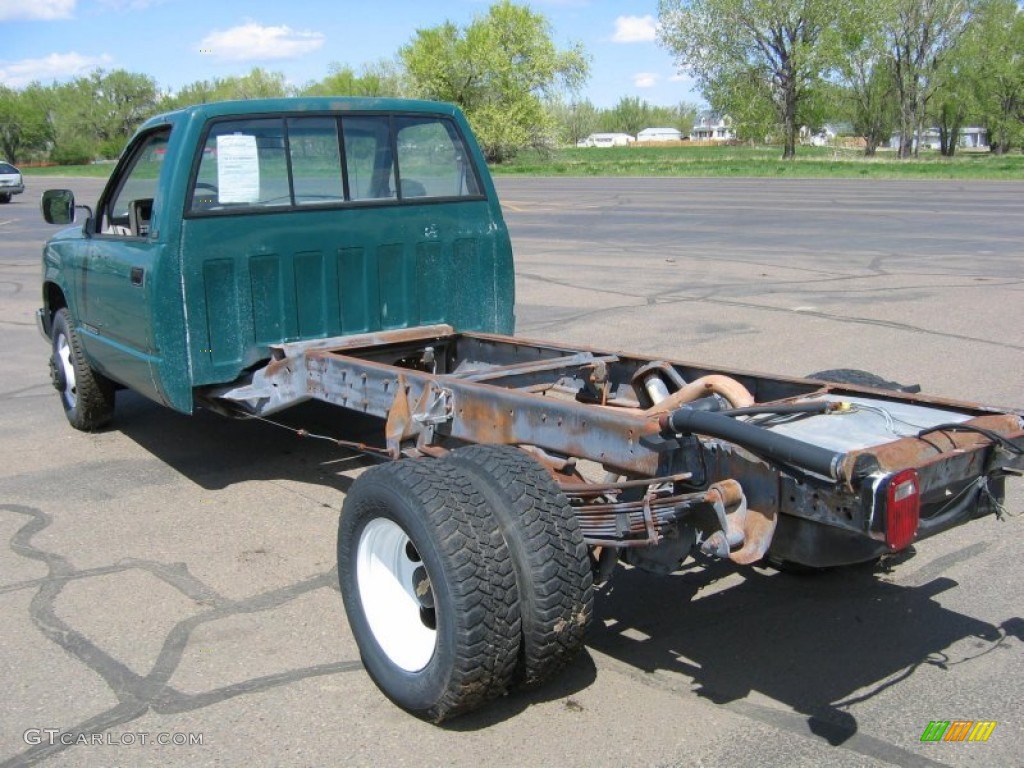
137 694
711 298
14 393
849 320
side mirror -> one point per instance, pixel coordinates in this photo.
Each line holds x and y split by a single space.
58 206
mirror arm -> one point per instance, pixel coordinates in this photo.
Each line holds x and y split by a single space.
87 226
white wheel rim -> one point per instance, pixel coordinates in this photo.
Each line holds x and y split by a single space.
387 571
70 391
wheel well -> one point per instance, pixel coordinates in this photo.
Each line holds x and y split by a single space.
53 298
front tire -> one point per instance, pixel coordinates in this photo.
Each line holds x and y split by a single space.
86 395
428 587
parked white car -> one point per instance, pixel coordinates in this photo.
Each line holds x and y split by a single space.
11 182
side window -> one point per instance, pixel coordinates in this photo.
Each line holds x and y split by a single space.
368 158
316 160
432 160
127 212
243 166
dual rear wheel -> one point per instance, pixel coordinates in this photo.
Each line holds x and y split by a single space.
462 578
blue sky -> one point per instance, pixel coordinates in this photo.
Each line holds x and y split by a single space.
179 41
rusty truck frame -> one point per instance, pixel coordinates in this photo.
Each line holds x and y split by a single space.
250 256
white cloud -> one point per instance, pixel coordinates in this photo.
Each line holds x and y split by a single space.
645 80
56 66
252 41
635 29
36 10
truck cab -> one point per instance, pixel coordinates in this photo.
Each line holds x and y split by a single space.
228 228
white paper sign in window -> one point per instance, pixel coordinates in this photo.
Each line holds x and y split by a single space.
238 169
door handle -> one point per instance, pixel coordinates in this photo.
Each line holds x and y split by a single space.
138 275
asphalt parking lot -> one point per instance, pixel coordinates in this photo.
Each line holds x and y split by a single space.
167 586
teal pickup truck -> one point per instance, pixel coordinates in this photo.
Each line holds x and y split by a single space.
228 228
248 256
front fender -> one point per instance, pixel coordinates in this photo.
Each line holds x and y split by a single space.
63 258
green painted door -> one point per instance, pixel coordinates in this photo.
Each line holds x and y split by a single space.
128 279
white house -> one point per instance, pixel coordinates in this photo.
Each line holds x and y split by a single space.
974 137
928 140
713 127
971 137
606 140
825 135
659 134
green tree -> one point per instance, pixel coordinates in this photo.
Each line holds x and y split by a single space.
875 111
498 69
257 84
684 116
868 95
119 102
382 78
954 101
23 126
993 49
197 92
71 118
631 115
573 120
921 35
747 53
741 94
90 116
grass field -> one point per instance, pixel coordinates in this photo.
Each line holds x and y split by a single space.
96 171
810 162
697 160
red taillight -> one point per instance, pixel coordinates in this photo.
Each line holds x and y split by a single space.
902 509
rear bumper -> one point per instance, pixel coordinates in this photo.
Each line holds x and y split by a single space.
817 544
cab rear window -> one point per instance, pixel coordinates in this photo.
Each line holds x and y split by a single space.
270 163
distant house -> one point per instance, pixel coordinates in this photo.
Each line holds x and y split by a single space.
606 140
826 135
659 134
927 140
711 126
971 137
974 137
